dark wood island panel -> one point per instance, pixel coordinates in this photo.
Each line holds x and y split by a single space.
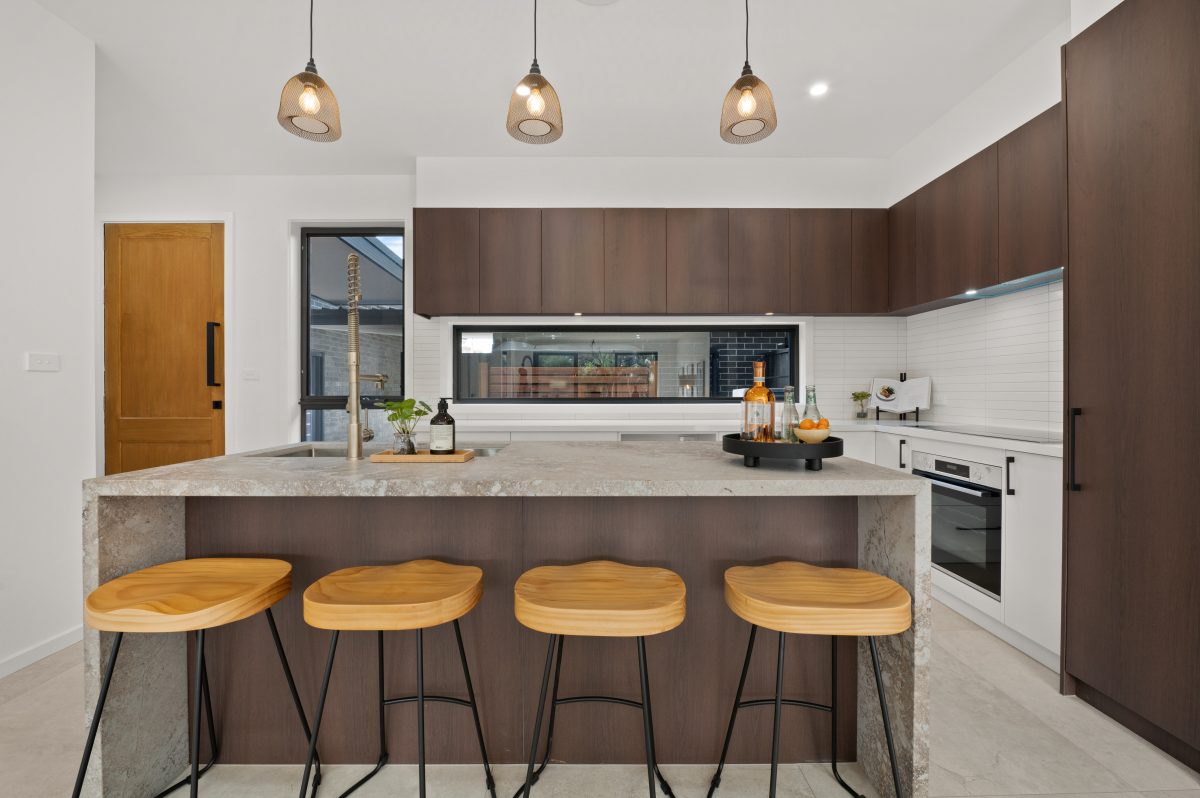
694 668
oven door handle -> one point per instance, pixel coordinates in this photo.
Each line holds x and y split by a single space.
979 494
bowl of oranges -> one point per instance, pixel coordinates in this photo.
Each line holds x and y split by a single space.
810 431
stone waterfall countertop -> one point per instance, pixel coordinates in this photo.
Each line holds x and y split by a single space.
518 469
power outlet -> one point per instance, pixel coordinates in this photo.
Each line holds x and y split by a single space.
43 361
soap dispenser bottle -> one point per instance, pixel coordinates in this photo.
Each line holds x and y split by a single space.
441 430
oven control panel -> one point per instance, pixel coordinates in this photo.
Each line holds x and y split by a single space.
963 470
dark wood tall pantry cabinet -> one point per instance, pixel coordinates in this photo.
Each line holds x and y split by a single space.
1131 609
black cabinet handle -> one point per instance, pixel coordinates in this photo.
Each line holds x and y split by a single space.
1008 488
902 442
1072 485
211 347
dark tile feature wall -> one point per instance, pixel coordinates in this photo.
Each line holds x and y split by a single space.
734 352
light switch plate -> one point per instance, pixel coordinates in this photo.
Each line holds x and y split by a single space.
43 361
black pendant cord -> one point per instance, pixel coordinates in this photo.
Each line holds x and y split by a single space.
747 34
310 28
535 32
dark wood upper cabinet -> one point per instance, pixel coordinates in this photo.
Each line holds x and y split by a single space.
869 260
635 260
1031 179
820 250
902 253
445 261
759 260
510 260
957 230
572 260
697 260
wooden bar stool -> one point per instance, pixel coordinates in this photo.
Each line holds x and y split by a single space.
188 596
415 595
809 600
597 599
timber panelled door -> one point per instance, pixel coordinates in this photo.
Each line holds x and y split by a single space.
163 344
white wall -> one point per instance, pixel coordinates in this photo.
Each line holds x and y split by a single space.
747 182
47 166
1019 92
1085 12
264 214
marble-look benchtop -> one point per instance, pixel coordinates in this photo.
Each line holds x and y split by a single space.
697 468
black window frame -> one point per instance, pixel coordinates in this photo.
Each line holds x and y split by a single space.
367 400
459 329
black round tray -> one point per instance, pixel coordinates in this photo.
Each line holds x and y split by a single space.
811 453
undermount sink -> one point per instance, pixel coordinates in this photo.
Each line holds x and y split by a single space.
313 450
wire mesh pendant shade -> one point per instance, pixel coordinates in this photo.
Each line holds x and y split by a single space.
748 114
308 109
534 113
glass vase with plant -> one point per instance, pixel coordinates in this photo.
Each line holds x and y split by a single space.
404 416
861 397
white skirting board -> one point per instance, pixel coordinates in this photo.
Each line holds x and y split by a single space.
990 624
21 659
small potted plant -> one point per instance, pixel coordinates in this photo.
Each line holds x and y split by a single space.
861 398
404 416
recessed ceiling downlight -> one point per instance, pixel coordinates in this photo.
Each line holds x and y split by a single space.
819 89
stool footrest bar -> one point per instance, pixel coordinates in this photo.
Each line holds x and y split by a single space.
791 702
412 699
580 699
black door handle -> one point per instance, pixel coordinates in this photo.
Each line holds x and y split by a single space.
902 442
211 347
1072 485
1008 488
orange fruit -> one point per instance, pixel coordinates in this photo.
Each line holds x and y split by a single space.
808 423
823 424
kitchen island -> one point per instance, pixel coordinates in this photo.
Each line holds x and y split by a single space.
685 506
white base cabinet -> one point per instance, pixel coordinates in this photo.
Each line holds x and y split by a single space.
1031 577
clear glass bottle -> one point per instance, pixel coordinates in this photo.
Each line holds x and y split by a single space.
758 409
811 412
789 418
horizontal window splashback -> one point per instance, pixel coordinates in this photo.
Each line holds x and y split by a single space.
611 363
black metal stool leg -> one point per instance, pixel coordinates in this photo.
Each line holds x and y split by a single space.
462 654
95 724
662 780
312 744
537 724
212 732
648 729
383 753
833 705
421 712
778 716
887 723
537 773
737 700
199 697
291 683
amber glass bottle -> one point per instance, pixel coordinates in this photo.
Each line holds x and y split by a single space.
758 409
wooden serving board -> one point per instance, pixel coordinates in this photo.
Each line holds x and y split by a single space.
423 456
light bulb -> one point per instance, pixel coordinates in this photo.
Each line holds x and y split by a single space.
746 103
523 89
310 103
535 104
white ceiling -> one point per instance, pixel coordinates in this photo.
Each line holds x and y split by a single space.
192 88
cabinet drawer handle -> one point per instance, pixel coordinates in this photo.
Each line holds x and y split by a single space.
902 442
1008 488
1072 485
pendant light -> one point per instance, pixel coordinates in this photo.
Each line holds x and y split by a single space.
748 114
307 107
534 115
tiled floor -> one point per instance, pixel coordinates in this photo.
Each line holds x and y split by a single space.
999 728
